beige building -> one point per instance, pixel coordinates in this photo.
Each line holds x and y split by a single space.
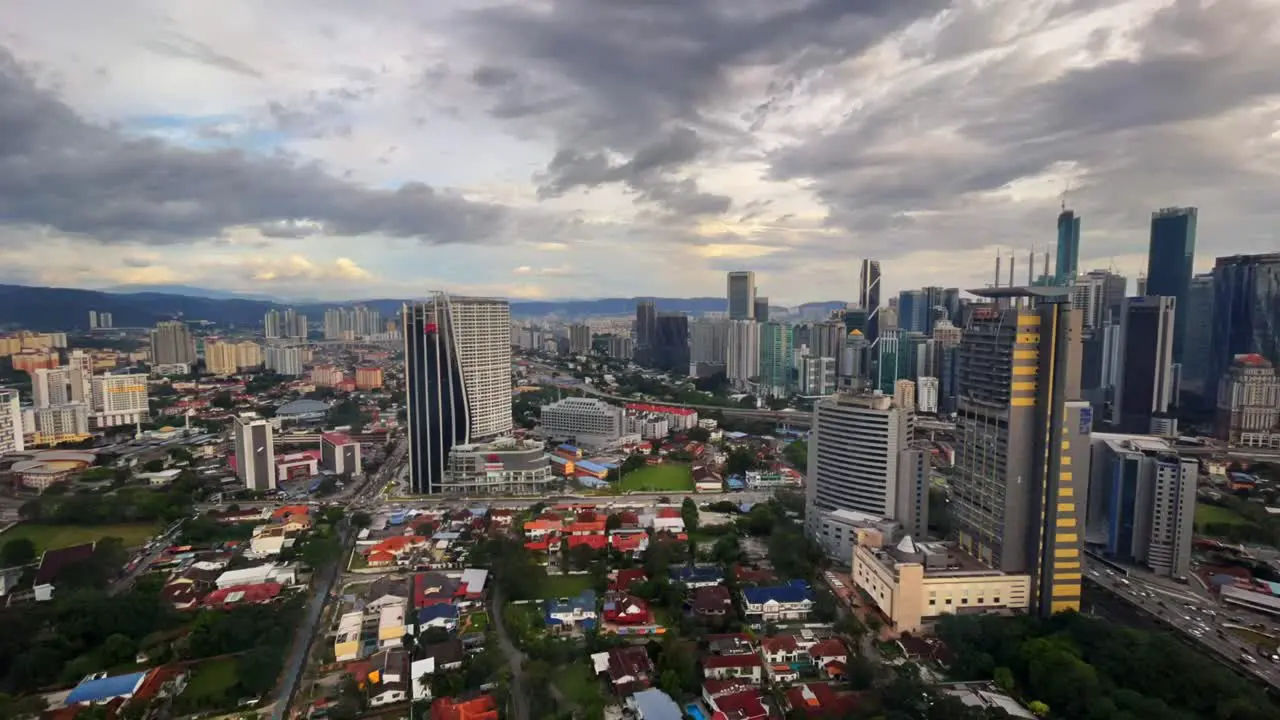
904 394
912 583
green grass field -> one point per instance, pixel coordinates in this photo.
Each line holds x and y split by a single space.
581 687
52 537
659 478
213 679
476 622
1206 514
559 586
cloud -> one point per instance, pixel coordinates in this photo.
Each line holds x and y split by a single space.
60 171
298 267
182 47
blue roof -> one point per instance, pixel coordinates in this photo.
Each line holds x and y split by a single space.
568 447
559 460
794 591
104 689
697 573
585 602
735 484
593 482
592 467
656 705
437 612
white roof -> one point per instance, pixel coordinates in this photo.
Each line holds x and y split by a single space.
474 579
907 545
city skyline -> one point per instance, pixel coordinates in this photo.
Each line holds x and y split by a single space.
493 150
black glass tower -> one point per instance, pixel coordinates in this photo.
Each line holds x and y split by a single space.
1170 260
435 393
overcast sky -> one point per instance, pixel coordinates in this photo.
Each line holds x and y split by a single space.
588 148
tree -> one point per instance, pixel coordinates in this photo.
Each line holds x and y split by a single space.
361 519
689 514
1003 677
18 551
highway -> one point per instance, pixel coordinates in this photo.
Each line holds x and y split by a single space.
1197 616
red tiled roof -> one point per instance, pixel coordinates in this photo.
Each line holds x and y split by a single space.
626 578
481 708
250 594
595 542
732 661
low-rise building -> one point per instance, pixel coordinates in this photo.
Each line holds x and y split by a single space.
506 466
912 583
792 601
582 421
569 614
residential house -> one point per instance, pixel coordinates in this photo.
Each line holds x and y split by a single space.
437 616
380 558
53 563
629 542
540 528
730 644
792 601
387 591
258 574
391 626
419 677
472 586
628 668
741 667
447 655
624 609
653 704
480 708
624 580
707 480
269 540
819 700
734 699
830 656
696 576
348 638
433 588
388 693
227 598
667 518
595 542
568 614
591 527
711 604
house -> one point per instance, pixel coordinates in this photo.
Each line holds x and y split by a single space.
473 584
258 574
711 604
380 558
386 591
388 693
707 480
783 650
753 576
54 563
480 708
696 576
624 580
95 690
540 528
628 668
830 656
819 700
447 655
595 542
437 616
391 627
741 667
730 644
433 588
667 518
653 704
734 699
629 542
420 672
624 609
391 665
269 540
227 598
592 527
792 601
568 614
348 638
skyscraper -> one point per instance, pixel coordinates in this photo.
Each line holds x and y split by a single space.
1023 454
646 327
1065 267
776 358
869 300
1170 260
1197 352
709 341
887 365
171 343
743 354
761 308
670 350
860 458
457 380
742 295
579 339
1144 383
1249 403
11 438
1098 294
1246 311
255 452
913 311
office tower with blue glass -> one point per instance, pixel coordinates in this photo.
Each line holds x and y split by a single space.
1170 261
1068 258
1246 312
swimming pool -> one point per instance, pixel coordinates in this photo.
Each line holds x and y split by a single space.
695 712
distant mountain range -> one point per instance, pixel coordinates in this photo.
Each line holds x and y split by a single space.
45 308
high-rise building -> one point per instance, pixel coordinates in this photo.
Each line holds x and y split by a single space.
852 365
285 359
709 341
93 319
255 452
1246 311
55 386
579 339
11 438
171 343
81 365
742 362
646 328
761 310
670 348
60 423
1067 262
457 380
817 375
1097 295
927 391
904 394
742 295
1170 260
1142 501
105 321
861 459
888 362
1197 352
1022 460
272 325
1144 383
1249 403
621 347
869 300
220 357
913 313
119 400
368 378
776 359
340 454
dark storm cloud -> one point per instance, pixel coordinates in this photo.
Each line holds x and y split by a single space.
58 170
